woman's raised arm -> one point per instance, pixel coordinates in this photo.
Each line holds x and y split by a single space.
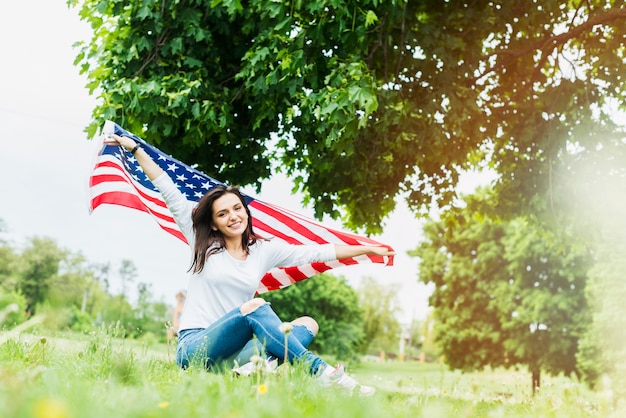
148 165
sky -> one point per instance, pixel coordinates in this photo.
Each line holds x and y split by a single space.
46 159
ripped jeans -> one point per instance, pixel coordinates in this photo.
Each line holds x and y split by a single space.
230 338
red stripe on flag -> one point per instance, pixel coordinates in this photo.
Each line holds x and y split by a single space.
321 267
126 199
271 283
175 232
287 221
295 273
129 200
97 179
107 178
261 226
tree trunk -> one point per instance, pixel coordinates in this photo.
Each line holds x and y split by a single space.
536 380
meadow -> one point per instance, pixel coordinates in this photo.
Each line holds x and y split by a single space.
72 375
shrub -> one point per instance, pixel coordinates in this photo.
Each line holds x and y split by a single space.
12 309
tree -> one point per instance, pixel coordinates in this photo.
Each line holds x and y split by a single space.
550 313
8 257
101 274
427 337
381 328
73 280
506 293
361 101
7 260
149 317
38 266
332 303
128 274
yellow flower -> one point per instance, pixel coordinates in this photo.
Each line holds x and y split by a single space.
164 404
51 408
262 389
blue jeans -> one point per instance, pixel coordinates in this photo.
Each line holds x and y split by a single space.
231 338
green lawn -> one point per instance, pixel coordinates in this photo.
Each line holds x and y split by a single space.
76 376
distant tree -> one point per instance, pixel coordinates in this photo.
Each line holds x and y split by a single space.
428 345
333 303
127 273
149 316
463 258
506 293
101 273
8 279
380 306
118 310
38 266
545 303
69 285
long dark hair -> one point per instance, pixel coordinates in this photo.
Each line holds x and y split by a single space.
208 240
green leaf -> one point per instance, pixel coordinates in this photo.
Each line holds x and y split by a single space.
370 18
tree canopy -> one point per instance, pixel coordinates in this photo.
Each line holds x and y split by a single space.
360 101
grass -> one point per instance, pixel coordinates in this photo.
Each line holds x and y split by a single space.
100 375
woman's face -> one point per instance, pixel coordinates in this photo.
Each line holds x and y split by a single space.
229 216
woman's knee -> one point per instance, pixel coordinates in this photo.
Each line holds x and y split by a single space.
308 322
251 305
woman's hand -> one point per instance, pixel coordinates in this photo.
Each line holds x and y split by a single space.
124 141
148 166
347 251
382 251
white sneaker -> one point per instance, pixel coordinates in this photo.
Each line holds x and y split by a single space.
245 370
267 366
337 377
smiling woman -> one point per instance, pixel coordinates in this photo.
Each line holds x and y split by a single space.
221 315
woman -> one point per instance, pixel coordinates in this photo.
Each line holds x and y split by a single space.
221 316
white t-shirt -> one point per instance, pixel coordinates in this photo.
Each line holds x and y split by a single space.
225 283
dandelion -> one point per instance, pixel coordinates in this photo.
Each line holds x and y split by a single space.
286 328
164 404
261 389
257 361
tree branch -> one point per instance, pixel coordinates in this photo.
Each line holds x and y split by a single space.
554 41
155 52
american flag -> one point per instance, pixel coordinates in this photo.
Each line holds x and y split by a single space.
117 179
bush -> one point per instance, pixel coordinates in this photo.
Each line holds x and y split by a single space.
12 309
81 321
